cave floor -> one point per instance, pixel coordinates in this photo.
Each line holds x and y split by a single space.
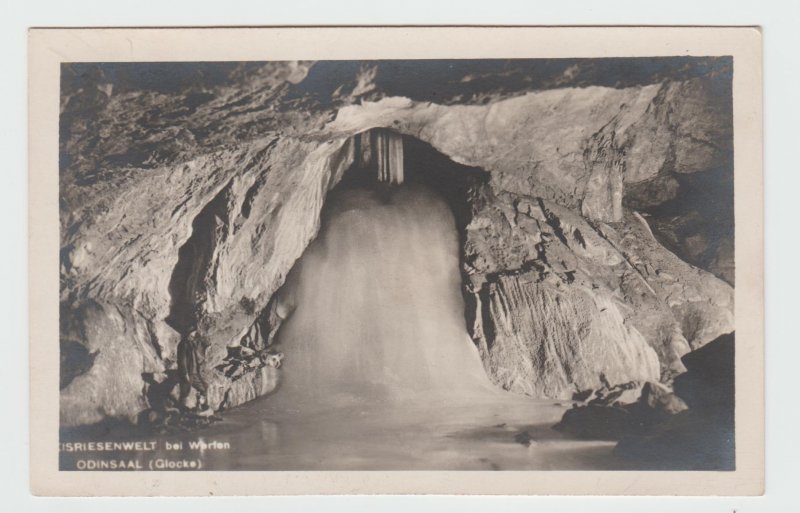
508 434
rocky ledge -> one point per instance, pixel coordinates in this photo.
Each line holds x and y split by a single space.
692 428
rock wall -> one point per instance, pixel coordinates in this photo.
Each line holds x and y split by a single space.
561 299
552 341
189 207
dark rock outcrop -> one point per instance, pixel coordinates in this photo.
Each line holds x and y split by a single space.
616 412
708 384
690 428
701 437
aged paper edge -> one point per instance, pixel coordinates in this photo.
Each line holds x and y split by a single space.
48 48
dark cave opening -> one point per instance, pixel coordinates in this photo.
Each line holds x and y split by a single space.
393 204
464 188
696 221
193 272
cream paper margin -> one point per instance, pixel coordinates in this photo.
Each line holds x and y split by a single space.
48 48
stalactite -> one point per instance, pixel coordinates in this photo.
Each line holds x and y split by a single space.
395 157
381 152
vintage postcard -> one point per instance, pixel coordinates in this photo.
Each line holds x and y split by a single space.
396 260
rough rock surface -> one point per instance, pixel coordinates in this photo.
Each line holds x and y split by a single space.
702 437
549 286
186 202
616 412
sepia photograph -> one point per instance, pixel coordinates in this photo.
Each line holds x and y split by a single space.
403 264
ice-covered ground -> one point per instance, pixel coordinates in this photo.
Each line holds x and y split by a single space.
506 434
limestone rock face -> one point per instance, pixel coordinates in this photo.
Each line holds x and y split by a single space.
550 341
548 285
113 386
186 204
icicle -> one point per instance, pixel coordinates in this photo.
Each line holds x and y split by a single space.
395 157
365 151
382 154
382 151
